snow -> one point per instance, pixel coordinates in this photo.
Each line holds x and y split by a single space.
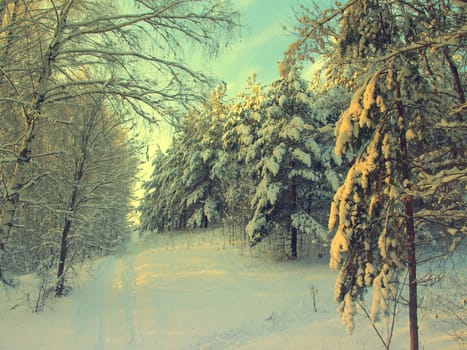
279 151
282 101
332 178
193 291
271 165
306 224
303 157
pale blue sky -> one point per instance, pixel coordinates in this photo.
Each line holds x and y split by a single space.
258 49
261 46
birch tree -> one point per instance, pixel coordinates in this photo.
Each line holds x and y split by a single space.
79 209
100 177
67 49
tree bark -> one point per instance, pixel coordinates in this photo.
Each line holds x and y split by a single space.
10 202
72 208
293 243
410 230
412 266
63 254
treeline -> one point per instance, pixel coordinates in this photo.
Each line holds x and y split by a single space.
76 78
385 156
262 162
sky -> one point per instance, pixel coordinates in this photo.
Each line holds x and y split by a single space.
262 44
259 47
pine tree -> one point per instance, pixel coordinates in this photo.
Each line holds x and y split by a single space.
164 203
399 60
185 184
283 159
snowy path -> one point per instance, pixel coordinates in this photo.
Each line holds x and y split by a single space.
189 294
104 313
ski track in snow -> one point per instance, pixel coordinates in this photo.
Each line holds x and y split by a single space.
105 306
187 294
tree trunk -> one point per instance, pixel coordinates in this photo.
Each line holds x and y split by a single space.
293 230
411 257
6 223
204 221
18 181
72 209
293 243
184 215
410 228
63 253
412 266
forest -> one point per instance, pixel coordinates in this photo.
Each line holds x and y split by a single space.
363 166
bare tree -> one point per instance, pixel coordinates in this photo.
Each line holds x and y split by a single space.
98 171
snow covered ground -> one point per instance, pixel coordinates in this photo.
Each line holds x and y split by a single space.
193 292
